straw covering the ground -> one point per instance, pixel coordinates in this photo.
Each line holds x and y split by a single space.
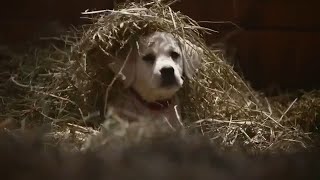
62 86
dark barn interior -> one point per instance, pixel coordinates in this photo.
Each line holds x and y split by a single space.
273 44
275 41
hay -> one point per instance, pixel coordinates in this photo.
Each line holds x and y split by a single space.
64 85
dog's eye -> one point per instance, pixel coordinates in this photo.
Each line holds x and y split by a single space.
174 55
150 58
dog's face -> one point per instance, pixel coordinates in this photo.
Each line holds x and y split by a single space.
155 69
159 66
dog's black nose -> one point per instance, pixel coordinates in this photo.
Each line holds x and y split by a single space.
167 75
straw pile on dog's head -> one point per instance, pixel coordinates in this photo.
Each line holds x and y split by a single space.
65 87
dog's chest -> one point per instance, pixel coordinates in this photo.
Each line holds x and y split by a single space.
130 108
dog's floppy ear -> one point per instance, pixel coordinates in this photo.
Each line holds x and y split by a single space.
191 57
125 68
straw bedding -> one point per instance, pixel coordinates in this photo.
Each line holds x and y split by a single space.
63 85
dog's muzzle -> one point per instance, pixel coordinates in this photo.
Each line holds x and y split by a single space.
168 77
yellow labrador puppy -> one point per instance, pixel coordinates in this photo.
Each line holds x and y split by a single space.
152 74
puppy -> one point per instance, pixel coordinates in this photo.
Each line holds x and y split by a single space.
152 73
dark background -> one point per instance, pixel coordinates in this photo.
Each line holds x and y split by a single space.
277 45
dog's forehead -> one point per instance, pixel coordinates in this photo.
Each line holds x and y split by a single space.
160 39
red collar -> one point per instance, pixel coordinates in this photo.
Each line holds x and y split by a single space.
156 105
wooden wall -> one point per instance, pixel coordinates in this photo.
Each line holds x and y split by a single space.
278 42
22 19
277 45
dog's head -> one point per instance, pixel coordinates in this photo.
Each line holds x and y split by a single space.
155 68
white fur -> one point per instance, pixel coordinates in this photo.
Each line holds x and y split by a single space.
129 108
145 77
